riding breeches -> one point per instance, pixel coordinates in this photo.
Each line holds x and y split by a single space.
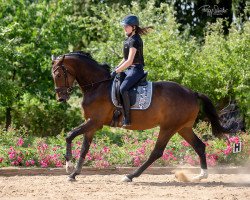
132 75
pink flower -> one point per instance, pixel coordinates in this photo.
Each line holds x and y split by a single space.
19 159
12 153
59 163
137 161
32 162
149 141
44 163
228 150
15 163
105 150
20 142
76 153
44 146
234 139
165 156
212 159
185 144
27 163
141 150
1 159
89 157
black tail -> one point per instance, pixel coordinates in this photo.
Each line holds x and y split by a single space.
212 115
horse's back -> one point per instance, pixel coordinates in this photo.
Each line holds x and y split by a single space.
175 101
173 89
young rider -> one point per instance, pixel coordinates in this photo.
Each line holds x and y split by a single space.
132 63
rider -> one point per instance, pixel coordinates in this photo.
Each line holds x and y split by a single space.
132 62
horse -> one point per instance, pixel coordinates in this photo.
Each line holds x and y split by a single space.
174 108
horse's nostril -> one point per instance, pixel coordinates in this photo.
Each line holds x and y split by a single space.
61 100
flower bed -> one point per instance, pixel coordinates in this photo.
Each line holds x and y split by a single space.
118 147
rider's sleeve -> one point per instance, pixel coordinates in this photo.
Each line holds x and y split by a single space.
134 43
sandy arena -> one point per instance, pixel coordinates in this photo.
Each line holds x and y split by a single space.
110 187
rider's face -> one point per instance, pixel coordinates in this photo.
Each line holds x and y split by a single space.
128 29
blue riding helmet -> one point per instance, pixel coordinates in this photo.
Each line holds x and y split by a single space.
130 20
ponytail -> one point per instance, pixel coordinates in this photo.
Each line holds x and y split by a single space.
144 30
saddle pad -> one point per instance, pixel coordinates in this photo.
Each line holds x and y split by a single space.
143 96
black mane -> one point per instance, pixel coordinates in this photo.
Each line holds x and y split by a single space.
88 56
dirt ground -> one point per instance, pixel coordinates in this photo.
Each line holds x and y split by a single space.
110 187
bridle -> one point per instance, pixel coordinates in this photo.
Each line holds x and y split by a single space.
67 89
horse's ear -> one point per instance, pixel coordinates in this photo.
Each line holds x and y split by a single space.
53 57
61 60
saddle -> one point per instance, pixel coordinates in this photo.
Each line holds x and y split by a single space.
140 95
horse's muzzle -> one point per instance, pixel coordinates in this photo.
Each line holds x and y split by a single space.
63 94
62 100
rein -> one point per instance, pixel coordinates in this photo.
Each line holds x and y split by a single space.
94 83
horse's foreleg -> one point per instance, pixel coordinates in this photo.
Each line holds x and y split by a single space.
71 135
199 147
83 128
84 150
163 138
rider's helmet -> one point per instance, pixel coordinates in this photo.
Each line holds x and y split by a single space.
130 20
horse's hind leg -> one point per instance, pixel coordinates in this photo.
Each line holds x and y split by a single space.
163 138
199 147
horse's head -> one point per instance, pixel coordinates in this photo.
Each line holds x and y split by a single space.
64 78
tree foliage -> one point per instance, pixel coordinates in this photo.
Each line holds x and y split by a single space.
31 31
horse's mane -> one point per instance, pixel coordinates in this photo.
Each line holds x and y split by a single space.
85 55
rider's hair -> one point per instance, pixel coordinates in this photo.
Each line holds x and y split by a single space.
144 30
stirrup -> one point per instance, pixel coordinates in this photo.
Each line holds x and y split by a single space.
126 123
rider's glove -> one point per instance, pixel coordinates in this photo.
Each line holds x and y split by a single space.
113 74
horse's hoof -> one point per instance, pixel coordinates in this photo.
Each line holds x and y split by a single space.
200 177
126 179
69 167
71 179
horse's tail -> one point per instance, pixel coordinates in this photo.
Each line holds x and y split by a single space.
209 109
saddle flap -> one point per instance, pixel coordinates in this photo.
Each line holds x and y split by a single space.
140 95
143 80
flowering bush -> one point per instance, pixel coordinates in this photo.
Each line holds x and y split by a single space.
117 147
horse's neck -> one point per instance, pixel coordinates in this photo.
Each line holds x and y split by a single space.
87 74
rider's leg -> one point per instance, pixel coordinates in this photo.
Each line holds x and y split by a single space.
133 76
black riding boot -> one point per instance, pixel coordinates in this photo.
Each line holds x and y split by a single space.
126 109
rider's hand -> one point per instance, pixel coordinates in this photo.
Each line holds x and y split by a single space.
113 74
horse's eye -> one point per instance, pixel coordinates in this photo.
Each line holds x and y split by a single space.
58 75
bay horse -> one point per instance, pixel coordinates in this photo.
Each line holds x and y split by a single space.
174 108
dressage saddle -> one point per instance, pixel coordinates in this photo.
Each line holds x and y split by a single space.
132 92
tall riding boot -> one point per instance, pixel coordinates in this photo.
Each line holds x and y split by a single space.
126 109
